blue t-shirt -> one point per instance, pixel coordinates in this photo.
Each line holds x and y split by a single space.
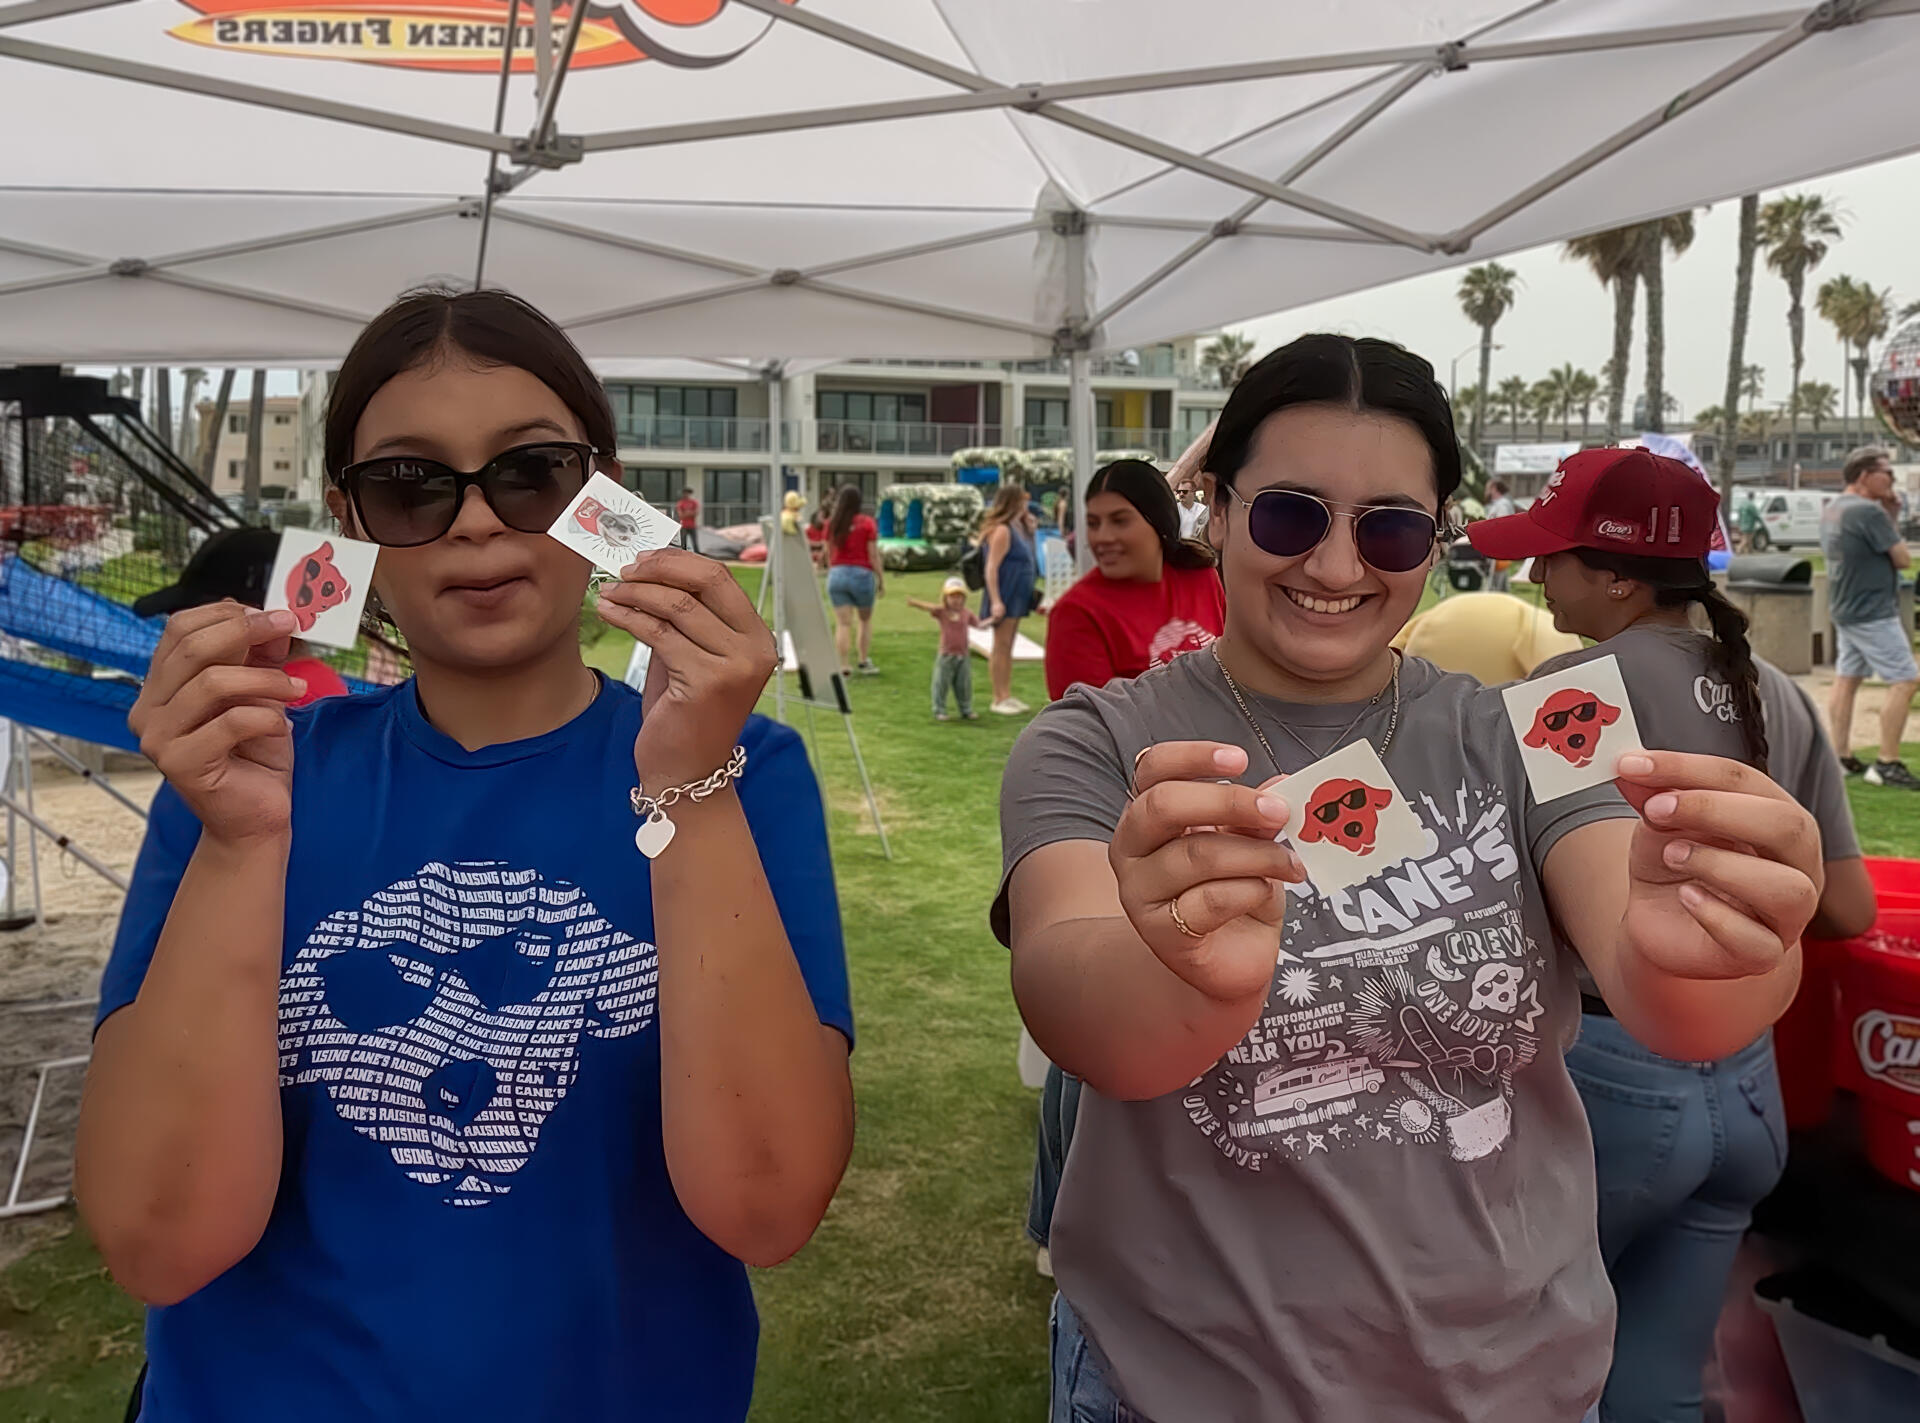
474 1219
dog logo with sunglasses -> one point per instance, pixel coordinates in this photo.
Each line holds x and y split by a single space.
1345 812
1569 723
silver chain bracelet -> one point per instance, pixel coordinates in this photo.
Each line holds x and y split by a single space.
656 830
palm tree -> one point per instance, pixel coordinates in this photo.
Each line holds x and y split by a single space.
210 432
1511 396
1796 230
1676 232
1756 422
1486 295
190 379
163 404
1543 399
1753 384
1860 315
1582 394
1817 401
1468 406
1737 369
256 418
1228 358
1707 418
1564 381
1613 258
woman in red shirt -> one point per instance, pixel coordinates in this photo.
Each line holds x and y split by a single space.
1150 595
854 574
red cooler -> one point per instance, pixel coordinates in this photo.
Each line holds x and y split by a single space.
1879 982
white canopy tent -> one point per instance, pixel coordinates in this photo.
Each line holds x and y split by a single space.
203 180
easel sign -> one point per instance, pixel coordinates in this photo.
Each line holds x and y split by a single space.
800 622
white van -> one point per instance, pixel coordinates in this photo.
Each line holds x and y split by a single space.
1789 518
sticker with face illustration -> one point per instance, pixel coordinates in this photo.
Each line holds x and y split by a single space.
323 580
1347 819
1572 726
610 526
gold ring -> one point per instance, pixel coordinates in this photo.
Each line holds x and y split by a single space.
1133 780
1173 908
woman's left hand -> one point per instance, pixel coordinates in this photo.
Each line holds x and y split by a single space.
712 656
1724 870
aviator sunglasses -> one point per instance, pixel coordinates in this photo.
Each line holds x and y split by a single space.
1288 523
403 501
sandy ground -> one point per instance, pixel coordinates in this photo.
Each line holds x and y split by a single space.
50 971
1866 708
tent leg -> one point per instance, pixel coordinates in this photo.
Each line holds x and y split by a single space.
13 919
14 1205
1080 426
85 772
866 782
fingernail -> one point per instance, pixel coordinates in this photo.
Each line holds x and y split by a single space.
1273 808
1677 853
1662 806
1227 759
1692 896
299 686
1634 764
282 621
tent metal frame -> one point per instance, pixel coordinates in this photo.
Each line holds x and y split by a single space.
1779 30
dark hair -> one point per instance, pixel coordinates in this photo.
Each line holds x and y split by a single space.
1496 486
1677 582
1324 369
846 507
1144 487
489 328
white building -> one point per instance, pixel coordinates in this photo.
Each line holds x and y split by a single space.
876 423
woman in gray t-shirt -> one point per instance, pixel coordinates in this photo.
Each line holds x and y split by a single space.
1684 1150
1329 1163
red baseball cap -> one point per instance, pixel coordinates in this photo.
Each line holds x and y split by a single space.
1619 501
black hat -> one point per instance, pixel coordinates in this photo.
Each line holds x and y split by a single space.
233 563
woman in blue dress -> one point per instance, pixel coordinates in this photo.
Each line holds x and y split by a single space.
1011 573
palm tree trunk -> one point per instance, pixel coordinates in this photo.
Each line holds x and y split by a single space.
1486 374
1623 288
1859 373
1737 352
256 417
163 404
210 432
1797 330
1655 279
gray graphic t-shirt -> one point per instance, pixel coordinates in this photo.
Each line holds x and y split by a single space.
1380 1205
1855 534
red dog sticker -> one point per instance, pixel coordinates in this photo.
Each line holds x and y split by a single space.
1568 724
314 586
1346 813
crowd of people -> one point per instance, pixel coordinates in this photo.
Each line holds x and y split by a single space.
464 1041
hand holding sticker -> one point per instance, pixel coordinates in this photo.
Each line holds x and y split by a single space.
1573 726
610 526
1349 820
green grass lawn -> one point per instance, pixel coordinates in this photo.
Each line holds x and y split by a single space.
918 1298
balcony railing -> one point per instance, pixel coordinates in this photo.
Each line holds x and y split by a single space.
691 432
899 437
1107 437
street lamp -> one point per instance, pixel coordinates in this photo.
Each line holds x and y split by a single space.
1453 371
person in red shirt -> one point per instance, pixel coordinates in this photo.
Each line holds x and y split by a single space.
854 574
1150 595
688 511
236 563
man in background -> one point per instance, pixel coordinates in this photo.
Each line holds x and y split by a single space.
688 512
1193 514
1865 555
1499 505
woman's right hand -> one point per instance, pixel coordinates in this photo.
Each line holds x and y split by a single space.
1191 843
997 610
212 715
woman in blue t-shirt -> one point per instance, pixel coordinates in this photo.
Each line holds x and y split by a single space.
418 1091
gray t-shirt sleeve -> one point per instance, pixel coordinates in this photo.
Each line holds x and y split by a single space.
1064 781
1868 523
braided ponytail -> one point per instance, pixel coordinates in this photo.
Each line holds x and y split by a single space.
1732 659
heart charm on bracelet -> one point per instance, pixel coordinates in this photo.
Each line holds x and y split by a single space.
654 835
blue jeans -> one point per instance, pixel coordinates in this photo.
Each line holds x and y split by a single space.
850 586
1081 1393
1684 1151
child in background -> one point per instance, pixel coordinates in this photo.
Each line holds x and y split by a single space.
952 669
790 512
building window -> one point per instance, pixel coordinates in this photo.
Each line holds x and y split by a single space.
733 496
283 419
676 417
866 422
236 469
236 424
1048 424
1194 419
867 481
657 486
283 464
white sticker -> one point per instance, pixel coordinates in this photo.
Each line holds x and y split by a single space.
1572 727
323 580
1347 819
611 526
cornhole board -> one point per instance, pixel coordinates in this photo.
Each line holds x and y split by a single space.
1025 649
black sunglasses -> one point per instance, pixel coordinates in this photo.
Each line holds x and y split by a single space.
1355 799
1557 721
1288 523
403 501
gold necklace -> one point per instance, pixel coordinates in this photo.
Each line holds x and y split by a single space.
1393 721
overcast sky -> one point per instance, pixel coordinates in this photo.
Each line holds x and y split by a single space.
1562 314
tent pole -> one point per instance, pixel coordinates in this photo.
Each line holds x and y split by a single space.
770 496
493 159
1077 338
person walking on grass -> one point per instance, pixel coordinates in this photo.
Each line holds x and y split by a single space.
855 576
1865 555
688 512
1011 571
1500 505
952 671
